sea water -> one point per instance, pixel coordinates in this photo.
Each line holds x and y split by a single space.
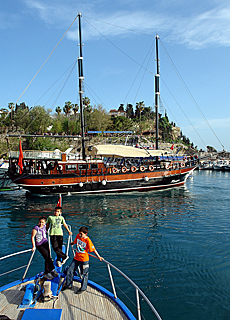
174 244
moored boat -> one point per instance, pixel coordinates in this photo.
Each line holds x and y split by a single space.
220 165
101 168
4 166
206 165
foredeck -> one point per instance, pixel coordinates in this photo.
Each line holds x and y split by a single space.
92 304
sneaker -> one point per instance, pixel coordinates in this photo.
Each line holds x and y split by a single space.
58 263
64 261
48 276
79 291
54 273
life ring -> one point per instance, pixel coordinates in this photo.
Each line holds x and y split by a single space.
182 164
167 166
114 170
133 169
124 169
142 168
151 168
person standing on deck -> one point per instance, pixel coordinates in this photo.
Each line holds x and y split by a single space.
81 259
56 234
39 241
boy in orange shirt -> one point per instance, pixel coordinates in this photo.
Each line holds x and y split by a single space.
81 259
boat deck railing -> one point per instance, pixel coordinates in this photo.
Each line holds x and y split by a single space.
138 291
34 155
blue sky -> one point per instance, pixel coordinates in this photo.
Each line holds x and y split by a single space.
118 38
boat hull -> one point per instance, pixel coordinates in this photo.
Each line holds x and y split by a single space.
127 182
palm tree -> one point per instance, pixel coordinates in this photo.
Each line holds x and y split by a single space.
87 110
75 109
67 108
58 110
139 109
11 106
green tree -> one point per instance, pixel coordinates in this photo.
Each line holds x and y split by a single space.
75 109
139 109
58 110
67 108
11 106
39 120
100 119
121 107
129 111
121 123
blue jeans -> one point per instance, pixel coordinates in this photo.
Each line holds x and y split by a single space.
84 269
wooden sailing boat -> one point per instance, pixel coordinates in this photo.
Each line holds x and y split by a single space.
101 168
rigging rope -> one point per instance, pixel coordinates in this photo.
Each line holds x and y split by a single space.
151 49
190 94
183 112
47 58
42 65
114 25
118 47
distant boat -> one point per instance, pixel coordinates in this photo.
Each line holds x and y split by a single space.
4 166
220 165
101 168
206 165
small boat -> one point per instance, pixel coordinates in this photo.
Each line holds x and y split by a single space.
206 165
38 298
4 166
220 165
101 168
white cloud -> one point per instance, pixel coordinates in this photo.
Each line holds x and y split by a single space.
209 27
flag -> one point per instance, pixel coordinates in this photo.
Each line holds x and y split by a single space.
172 147
20 164
59 201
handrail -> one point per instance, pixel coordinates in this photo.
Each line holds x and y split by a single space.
138 290
14 254
24 275
69 237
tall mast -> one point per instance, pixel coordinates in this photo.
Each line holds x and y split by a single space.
157 91
81 79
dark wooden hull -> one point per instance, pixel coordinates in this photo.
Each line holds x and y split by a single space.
102 183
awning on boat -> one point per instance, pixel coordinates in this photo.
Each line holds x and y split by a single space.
120 151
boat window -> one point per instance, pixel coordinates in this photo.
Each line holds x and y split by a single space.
83 166
94 166
71 167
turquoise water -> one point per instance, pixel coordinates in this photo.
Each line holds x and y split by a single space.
174 244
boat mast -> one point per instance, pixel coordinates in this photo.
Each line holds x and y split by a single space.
81 79
157 91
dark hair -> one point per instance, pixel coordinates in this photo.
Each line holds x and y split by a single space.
83 229
57 208
42 218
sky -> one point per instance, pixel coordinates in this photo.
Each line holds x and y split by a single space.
119 58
